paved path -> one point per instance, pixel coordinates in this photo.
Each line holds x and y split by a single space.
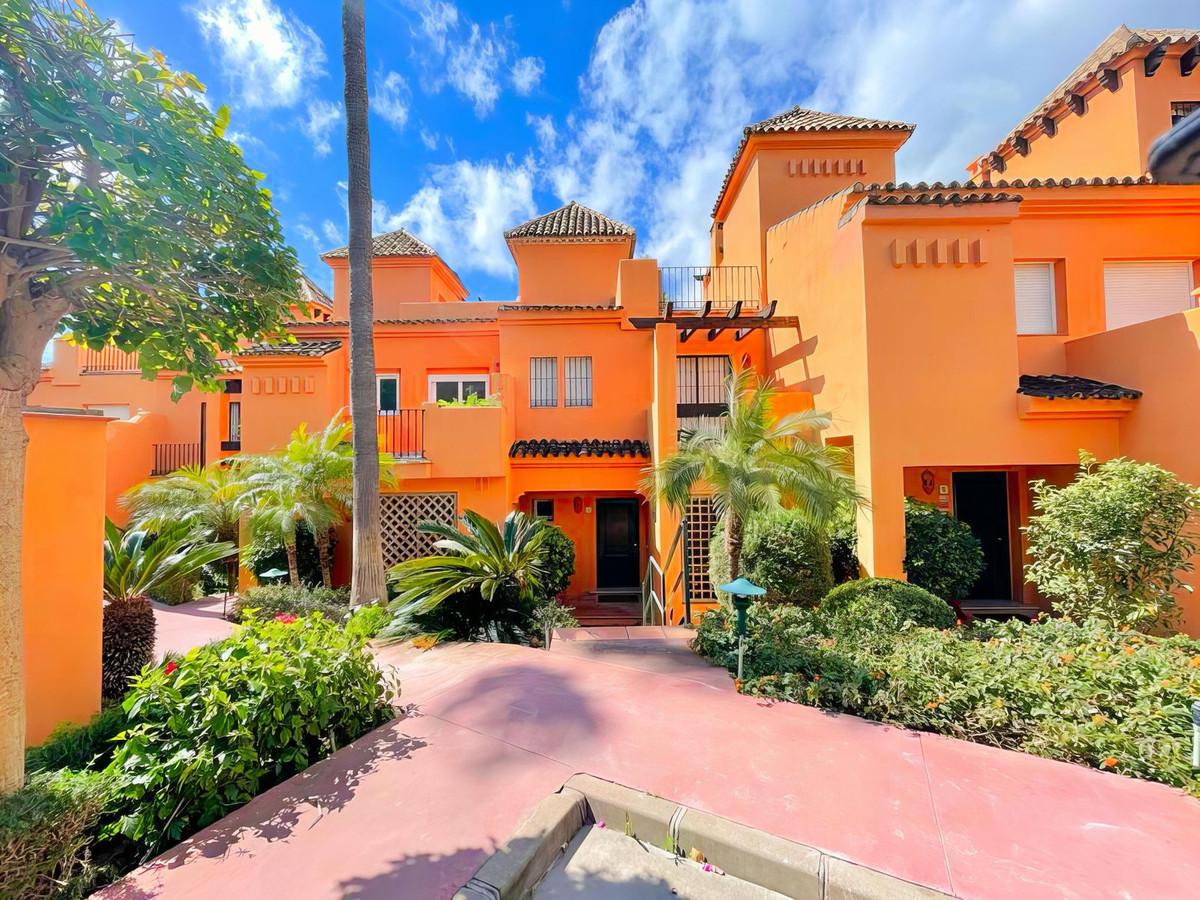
180 628
412 809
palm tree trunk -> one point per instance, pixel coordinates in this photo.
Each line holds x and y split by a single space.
368 580
293 561
321 538
733 544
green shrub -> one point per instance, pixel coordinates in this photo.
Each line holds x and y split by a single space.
558 564
127 644
266 552
45 832
87 746
941 554
780 637
367 621
233 718
871 608
549 615
781 553
843 545
1114 543
181 590
272 599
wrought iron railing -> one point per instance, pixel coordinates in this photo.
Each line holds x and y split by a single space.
692 288
654 584
107 359
171 456
402 433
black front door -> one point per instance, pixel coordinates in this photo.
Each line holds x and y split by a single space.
617 543
981 500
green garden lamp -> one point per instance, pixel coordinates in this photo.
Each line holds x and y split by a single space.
742 591
273 573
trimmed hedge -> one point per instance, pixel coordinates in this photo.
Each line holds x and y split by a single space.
558 564
871 608
782 553
271 599
87 746
941 554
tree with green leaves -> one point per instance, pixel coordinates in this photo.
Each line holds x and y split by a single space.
125 218
752 462
211 498
368 582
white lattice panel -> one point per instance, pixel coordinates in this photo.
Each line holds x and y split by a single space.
400 514
701 522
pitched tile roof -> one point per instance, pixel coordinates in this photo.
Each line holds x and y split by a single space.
309 292
300 348
1122 40
556 307
799 119
937 194
1072 387
594 447
394 243
571 221
414 320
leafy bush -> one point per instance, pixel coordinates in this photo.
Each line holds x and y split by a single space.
779 637
272 599
45 832
782 553
843 545
1114 542
87 746
266 551
941 554
367 621
558 563
181 590
233 718
127 644
872 608
550 615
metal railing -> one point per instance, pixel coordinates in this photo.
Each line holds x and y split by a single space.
654 594
172 456
692 288
107 359
402 433
688 424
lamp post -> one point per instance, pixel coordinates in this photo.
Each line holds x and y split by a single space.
742 592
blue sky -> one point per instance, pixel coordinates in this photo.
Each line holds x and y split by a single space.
486 114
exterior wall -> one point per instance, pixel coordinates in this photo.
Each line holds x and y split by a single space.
62 568
129 458
397 281
568 273
279 393
1162 358
417 352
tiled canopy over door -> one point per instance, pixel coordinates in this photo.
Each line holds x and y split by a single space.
400 514
1137 291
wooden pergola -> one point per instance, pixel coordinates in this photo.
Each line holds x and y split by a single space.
731 319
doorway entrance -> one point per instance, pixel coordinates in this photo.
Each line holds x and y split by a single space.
981 500
617 549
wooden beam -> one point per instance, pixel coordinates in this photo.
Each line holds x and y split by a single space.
1078 104
1154 59
692 324
669 310
1110 79
734 312
1049 126
996 162
1021 145
1189 60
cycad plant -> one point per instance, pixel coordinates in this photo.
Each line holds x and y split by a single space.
751 462
138 562
481 584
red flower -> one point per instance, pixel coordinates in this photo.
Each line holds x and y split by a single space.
285 618
170 667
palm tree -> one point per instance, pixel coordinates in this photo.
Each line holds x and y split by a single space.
492 576
283 506
752 464
368 581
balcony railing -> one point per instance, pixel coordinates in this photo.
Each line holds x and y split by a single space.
107 359
402 433
169 457
692 288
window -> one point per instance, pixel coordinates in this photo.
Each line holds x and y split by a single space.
1137 291
577 372
701 380
1033 287
457 387
544 509
235 420
388 387
543 381
1180 111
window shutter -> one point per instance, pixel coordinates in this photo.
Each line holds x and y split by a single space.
1033 288
1138 291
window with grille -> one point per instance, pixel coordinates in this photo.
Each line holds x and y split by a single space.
235 420
701 380
399 516
543 381
578 378
701 524
1181 110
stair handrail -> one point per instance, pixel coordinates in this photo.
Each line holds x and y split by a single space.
654 599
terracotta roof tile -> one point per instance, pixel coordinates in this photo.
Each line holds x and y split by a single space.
300 348
936 193
1072 387
556 307
310 292
594 447
571 221
394 243
416 320
799 120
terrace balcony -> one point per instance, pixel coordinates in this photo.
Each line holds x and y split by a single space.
705 289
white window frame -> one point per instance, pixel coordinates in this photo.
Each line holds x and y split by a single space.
1050 273
456 378
379 379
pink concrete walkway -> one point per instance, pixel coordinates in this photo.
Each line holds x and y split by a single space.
180 628
413 808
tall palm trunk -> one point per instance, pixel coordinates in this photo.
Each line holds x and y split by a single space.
368 581
321 538
733 544
293 561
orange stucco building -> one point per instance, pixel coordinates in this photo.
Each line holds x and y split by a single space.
967 337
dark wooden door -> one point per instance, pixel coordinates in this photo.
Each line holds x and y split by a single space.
981 500
617 553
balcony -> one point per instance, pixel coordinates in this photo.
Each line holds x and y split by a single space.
402 433
171 456
107 360
704 289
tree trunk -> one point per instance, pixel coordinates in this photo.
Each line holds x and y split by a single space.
321 538
733 544
293 562
12 627
368 580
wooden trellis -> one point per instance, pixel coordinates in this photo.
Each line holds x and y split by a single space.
701 523
400 514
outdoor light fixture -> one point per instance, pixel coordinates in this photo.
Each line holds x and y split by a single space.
742 591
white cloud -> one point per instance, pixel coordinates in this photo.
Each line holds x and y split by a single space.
473 68
527 72
543 127
321 116
437 20
268 56
332 232
390 99
463 209
429 139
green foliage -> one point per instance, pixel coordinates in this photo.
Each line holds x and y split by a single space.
470 400
1114 543
367 621
941 554
781 552
236 717
483 585
181 590
870 608
265 551
45 831
128 632
87 746
558 564
843 544
148 229
270 600
211 499
138 562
